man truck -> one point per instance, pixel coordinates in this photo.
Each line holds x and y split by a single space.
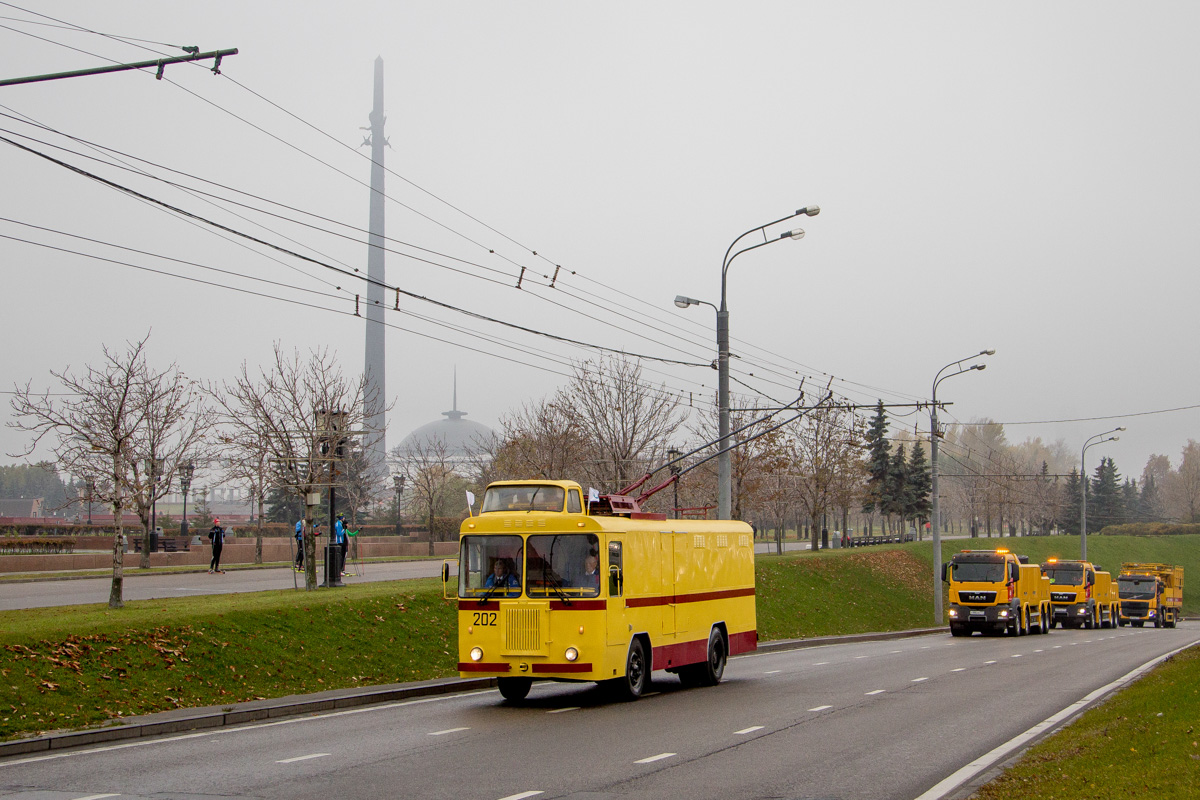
995 591
1083 595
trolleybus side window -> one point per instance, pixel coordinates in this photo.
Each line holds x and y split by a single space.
616 580
562 565
490 566
574 504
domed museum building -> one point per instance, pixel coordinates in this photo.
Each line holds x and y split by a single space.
459 436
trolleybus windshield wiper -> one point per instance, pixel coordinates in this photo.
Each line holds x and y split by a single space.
550 580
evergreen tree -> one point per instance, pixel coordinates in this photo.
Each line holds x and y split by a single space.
1104 503
876 493
1149 501
1130 502
286 506
896 498
919 485
1071 509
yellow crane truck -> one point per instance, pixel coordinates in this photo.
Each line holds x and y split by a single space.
1150 593
995 591
1082 593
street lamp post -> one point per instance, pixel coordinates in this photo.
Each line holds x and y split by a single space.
933 473
398 482
186 470
724 459
672 455
1083 486
91 488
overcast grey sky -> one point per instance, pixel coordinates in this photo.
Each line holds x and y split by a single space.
1019 177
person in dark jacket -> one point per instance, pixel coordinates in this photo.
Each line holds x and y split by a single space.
216 535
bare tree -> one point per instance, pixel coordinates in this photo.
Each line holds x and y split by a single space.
621 417
1182 489
540 439
297 412
175 422
95 427
246 460
826 457
429 474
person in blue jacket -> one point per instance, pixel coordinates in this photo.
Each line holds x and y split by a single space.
299 565
339 538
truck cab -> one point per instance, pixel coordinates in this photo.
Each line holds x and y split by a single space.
1083 595
995 591
1150 593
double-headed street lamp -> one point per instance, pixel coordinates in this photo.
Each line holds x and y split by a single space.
933 472
724 460
1083 485
398 483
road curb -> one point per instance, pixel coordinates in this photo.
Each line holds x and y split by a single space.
192 719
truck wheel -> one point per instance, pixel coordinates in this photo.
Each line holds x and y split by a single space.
637 674
1046 624
514 689
712 669
1090 622
1158 620
1023 623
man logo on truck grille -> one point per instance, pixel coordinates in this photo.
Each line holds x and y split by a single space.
977 597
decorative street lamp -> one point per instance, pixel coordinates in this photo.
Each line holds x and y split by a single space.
398 481
672 456
91 488
186 470
934 435
724 459
1083 484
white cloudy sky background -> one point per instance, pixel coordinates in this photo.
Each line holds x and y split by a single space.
1019 177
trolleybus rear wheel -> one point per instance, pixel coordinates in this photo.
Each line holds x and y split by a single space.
514 689
712 669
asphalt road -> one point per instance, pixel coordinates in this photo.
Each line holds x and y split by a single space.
77 591
880 720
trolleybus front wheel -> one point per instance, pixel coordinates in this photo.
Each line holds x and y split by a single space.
514 689
637 674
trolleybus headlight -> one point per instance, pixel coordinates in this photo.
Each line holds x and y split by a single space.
476 653
572 654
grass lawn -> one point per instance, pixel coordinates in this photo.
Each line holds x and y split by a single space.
1141 743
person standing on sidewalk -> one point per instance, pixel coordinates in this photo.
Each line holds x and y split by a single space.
299 565
217 536
339 538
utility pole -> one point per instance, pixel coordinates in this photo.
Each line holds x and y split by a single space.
193 54
375 342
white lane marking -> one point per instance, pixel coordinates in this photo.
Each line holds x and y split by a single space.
926 647
561 710
301 758
1037 651
448 730
918 680
751 729
773 672
241 728
96 796
522 795
820 708
958 669
1017 655
876 691
820 663
989 662
658 757
986 761
858 657
898 651
1057 646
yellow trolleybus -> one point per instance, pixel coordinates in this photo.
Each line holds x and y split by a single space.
551 586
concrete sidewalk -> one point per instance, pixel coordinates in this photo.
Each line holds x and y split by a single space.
191 719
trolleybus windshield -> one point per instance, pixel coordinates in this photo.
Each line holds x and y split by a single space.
534 497
490 566
563 565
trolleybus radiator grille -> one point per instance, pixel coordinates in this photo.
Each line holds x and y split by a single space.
523 630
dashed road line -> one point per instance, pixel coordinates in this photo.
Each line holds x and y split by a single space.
751 729
989 662
773 672
448 730
820 708
95 797
522 795
561 710
658 757
820 663
958 669
876 691
918 680
301 758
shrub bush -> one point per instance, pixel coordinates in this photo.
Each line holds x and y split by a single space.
1150 529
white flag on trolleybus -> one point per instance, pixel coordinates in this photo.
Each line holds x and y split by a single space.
593 495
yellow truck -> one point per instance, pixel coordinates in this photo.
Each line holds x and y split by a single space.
1083 595
995 591
1150 593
